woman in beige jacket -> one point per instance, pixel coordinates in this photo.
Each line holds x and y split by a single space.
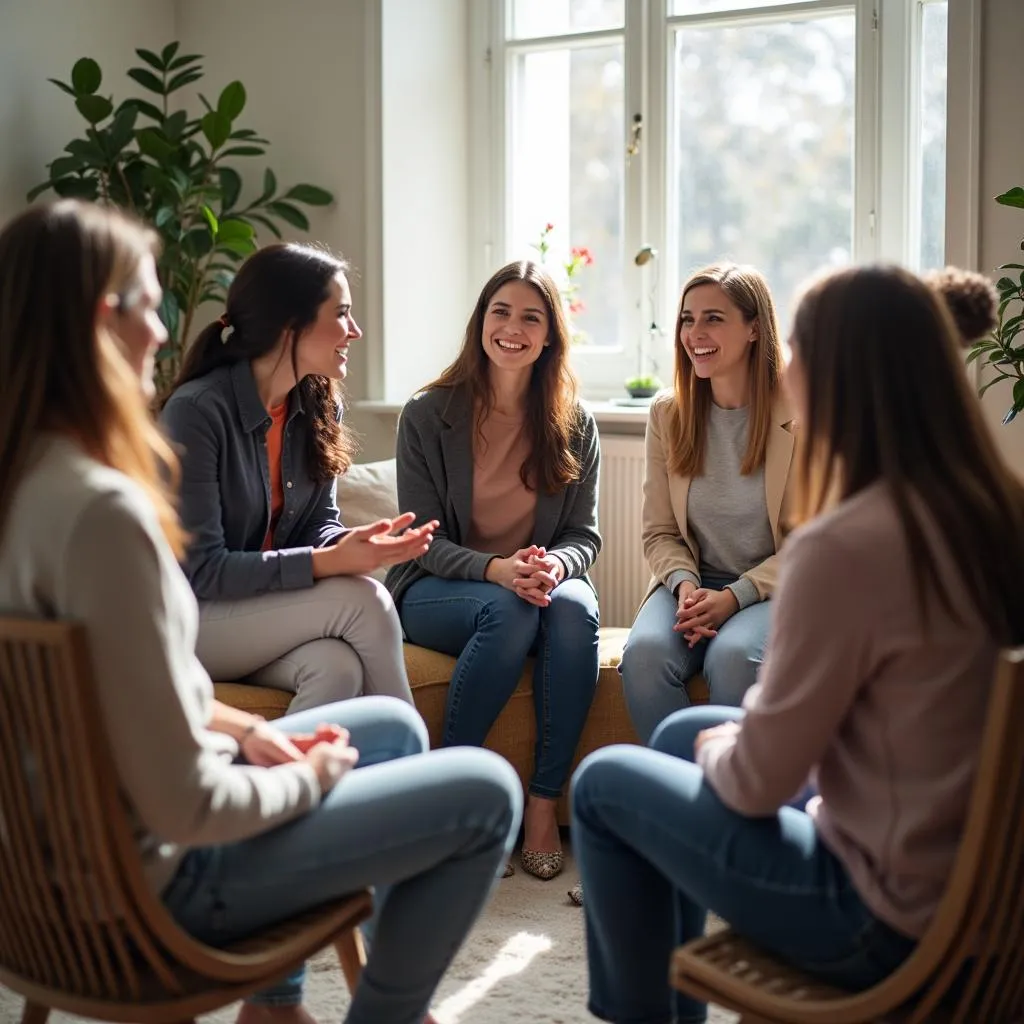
719 448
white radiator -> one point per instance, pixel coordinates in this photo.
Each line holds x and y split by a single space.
620 573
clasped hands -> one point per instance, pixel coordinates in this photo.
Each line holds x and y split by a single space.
327 750
531 573
701 611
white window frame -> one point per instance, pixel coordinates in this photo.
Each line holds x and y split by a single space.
886 116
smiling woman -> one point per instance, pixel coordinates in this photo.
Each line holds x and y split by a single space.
499 450
284 596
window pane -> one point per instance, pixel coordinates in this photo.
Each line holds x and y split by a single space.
933 136
764 148
531 18
716 6
567 169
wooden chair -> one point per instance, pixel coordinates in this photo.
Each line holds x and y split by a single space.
976 939
80 930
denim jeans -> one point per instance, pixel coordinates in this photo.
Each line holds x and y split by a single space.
657 849
491 632
430 830
657 663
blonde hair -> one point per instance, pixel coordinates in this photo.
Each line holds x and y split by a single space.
686 427
59 370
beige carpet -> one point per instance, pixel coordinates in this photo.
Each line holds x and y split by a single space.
524 961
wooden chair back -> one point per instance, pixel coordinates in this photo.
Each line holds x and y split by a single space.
968 967
79 926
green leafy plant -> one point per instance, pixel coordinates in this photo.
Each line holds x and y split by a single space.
644 386
175 172
1001 350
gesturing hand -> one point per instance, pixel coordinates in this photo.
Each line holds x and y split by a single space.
365 549
702 611
537 576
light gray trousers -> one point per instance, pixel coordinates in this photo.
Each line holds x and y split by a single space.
339 638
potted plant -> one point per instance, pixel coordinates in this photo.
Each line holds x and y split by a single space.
646 386
1001 349
177 173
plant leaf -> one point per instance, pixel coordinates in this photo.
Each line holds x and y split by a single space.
86 76
269 186
216 128
152 59
65 165
292 214
76 188
230 188
169 51
309 194
61 85
234 229
175 125
1014 197
197 241
147 80
122 129
89 151
180 62
38 191
182 79
152 143
211 219
205 102
164 216
243 150
145 107
267 223
94 108
995 380
232 100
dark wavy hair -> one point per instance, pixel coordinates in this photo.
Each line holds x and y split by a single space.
278 291
552 410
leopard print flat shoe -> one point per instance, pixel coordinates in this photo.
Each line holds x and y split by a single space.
543 865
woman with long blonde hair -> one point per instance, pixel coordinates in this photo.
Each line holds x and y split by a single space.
499 450
719 450
899 587
240 824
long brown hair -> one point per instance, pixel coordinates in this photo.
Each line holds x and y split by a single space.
552 411
278 292
686 427
59 371
888 400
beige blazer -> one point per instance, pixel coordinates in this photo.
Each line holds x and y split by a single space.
668 544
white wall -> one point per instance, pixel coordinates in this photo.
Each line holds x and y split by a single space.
41 39
1001 167
425 189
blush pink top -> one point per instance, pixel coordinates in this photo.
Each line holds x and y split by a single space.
503 507
883 714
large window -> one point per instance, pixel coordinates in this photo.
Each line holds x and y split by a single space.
665 134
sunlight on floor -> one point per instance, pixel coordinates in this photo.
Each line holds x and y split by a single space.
513 957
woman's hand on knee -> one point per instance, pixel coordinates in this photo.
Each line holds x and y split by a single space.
364 549
505 571
331 761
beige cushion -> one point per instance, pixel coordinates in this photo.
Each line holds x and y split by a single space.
368 491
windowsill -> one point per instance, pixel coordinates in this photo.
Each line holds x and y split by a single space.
606 413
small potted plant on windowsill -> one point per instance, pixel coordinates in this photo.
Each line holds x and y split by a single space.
643 387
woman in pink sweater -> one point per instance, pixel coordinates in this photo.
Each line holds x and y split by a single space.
893 599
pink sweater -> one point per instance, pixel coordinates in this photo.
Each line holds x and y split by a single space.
886 719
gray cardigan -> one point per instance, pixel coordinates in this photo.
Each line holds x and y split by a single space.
219 424
435 480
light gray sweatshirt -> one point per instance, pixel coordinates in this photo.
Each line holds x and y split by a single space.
82 542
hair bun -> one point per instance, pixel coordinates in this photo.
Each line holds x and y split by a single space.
970 298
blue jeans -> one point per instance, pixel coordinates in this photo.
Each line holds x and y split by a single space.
657 849
491 632
429 830
657 663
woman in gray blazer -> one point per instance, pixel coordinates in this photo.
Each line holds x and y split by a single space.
501 453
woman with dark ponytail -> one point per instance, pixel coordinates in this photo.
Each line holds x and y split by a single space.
283 590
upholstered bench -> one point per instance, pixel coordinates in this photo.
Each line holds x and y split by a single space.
514 732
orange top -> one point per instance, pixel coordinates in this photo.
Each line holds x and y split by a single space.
275 436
